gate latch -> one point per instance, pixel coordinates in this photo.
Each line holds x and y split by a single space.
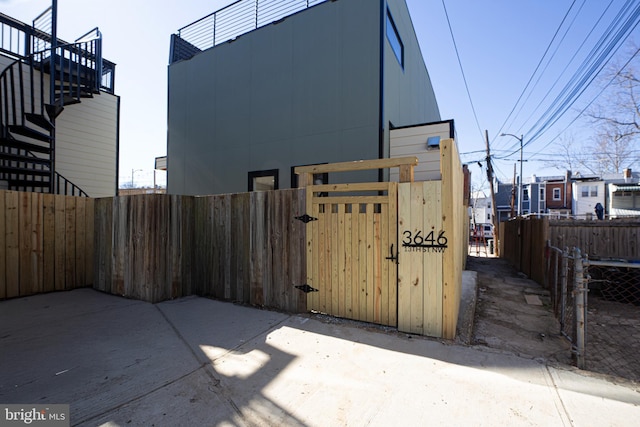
393 257
306 288
305 218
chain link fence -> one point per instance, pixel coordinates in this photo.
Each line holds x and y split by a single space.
597 303
613 313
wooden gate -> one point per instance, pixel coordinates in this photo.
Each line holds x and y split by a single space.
352 243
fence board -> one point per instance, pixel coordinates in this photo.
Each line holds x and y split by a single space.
70 249
417 287
524 241
89 241
38 250
369 265
25 230
60 243
37 244
432 262
230 246
80 241
3 275
49 242
258 244
12 230
173 256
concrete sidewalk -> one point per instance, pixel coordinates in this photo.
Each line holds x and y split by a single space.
195 361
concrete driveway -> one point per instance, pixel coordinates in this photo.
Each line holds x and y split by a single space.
196 361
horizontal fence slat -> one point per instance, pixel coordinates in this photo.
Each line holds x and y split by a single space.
365 186
350 200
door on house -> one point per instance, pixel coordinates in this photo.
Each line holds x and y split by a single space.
352 251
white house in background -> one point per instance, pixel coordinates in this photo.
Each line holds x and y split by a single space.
623 195
619 194
480 209
587 192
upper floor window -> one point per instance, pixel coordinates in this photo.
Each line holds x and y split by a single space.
542 194
525 194
556 194
394 39
589 191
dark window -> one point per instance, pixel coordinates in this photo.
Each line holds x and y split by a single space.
263 180
394 39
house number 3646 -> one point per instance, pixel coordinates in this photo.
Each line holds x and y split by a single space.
419 240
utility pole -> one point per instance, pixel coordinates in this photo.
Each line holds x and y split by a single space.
521 139
494 208
513 193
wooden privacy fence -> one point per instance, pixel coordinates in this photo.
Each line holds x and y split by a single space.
46 242
244 247
395 257
433 233
524 239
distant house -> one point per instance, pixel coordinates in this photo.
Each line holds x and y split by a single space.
505 193
588 191
280 86
481 210
59 114
575 196
623 195
557 196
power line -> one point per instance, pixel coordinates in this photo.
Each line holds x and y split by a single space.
592 100
464 78
536 69
591 68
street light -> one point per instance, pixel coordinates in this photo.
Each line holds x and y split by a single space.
520 186
133 171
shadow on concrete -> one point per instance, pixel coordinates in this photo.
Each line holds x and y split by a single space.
195 361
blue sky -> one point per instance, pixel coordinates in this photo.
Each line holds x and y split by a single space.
500 43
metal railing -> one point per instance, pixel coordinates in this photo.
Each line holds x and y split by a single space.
232 21
20 41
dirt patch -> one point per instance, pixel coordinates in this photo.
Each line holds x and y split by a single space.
504 320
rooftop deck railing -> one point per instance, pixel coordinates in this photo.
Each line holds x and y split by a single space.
20 40
232 21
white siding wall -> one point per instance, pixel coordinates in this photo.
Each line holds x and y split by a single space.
86 144
581 206
412 141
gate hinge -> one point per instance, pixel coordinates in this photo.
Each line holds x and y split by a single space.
305 218
306 288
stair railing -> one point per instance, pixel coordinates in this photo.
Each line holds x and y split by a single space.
80 68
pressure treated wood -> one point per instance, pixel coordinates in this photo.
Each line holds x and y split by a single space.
45 244
432 221
347 249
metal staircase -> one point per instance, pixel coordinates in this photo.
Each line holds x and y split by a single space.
34 90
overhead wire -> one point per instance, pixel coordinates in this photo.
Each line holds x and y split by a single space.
598 58
592 100
536 69
590 68
464 78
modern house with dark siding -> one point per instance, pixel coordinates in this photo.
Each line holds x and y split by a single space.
320 82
